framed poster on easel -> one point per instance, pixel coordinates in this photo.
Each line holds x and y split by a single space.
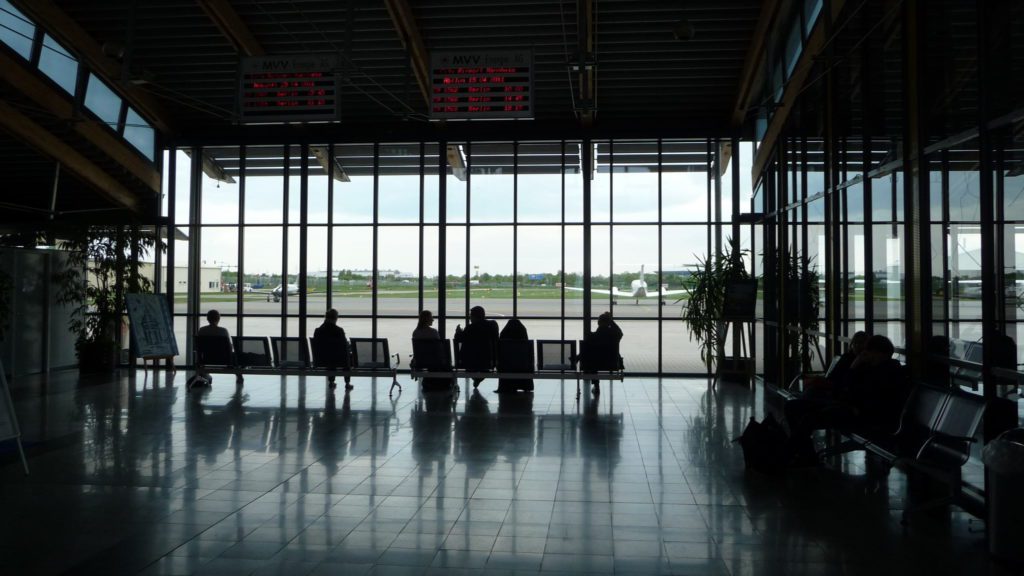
8 419
152 331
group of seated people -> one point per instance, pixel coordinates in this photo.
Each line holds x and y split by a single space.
329 343
865 391
477 345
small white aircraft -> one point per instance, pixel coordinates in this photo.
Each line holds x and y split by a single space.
293 290
637 289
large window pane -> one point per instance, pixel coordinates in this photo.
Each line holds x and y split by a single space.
219 269
539 256
635 181
456 265
399 183
540 182
636 271
220 199
455 182
61 67
262 254
102 101
492 182
139 133
491 254
353 200
264 185
398 267
16 30
353 269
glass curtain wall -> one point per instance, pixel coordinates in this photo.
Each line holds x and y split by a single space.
379 231
912 221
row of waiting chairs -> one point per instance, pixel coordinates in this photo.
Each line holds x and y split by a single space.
374 354
289 352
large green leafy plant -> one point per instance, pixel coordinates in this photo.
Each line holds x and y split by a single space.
705 297
802 301
103 266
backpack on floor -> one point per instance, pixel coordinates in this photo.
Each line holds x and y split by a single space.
765 445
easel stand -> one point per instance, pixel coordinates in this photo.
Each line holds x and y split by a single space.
156 364
9 429
745 331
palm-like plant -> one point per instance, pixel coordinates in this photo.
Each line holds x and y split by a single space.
705 296
102 268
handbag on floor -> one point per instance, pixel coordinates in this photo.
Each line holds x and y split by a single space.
765 445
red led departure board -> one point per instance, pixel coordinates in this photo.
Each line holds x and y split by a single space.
467 85
293 88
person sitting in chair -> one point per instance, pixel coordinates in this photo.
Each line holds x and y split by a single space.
601 348
479 343
330 343
213 331
425 327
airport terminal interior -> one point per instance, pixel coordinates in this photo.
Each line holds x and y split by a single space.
741 186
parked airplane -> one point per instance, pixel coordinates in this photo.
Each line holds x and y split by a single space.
637 289
293 290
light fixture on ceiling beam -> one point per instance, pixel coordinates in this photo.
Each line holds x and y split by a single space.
333 168
457 160
212 169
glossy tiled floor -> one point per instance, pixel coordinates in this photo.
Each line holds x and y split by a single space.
286 479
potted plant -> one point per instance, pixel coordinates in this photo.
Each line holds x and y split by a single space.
802 291
103 267
704 313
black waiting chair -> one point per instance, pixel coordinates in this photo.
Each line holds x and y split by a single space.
370 353
556 355
253 352
516 357
599 357
433 356
329 355
290 351
214 351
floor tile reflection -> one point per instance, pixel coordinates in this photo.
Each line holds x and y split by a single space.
135 476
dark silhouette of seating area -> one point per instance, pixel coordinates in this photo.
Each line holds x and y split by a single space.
478 353
868 400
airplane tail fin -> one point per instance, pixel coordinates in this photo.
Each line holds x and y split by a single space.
642 272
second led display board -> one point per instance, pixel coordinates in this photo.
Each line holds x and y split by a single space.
481 85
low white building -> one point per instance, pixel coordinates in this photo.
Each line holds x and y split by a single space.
209 278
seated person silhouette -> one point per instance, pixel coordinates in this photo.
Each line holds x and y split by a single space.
214 342
601 348
478 343
822 388
514 359
869 399
330 347
425 327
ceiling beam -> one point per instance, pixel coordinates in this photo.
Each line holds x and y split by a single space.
232 27
753 66
405 24
69 33
46 143
41 94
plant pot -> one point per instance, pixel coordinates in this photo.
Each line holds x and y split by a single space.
96 357
736 369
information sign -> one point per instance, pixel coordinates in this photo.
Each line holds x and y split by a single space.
494 85
152 330
294 88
